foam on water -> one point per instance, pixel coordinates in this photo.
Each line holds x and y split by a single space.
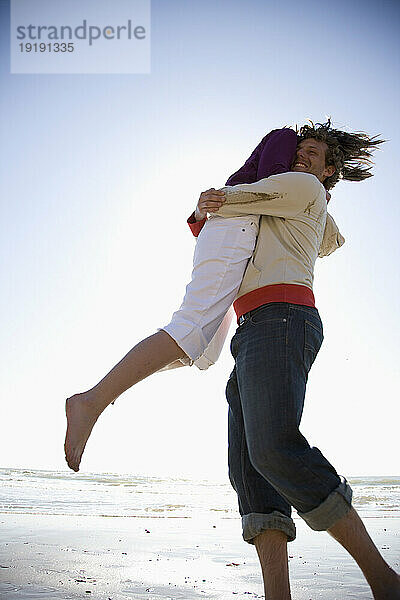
29 491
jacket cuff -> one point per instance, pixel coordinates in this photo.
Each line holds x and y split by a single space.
195 226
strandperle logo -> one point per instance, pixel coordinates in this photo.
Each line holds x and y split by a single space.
80 36
81 32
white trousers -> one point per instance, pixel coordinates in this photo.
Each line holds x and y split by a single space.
222 251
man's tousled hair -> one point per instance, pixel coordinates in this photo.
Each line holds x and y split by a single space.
349 153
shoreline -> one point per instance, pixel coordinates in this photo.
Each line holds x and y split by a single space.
169 558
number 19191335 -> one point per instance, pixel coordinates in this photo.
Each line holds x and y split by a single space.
46 47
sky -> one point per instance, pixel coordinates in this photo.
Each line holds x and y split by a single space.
98 174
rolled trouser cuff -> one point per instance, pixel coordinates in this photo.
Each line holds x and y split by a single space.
255 523
333 508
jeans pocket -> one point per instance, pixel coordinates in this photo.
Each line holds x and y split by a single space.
268 314
313 338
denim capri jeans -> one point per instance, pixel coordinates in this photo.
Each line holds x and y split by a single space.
272 467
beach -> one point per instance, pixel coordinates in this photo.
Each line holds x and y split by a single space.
187 550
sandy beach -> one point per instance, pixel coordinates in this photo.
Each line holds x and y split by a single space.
68 557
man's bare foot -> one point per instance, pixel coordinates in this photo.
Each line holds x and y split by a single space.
82 413
388 589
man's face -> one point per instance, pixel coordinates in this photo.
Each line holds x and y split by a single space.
310 158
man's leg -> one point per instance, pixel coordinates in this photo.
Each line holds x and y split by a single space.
271 548
265 514
275 350
350 532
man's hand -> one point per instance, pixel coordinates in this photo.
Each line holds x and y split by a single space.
209 202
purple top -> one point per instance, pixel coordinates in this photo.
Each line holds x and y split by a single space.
273 155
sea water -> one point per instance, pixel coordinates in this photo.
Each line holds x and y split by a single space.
26 491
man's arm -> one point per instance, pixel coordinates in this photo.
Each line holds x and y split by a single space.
284 195
209 202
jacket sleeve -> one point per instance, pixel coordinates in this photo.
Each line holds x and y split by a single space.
284 195
332 238
195 226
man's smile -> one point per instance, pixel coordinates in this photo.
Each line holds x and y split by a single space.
300 164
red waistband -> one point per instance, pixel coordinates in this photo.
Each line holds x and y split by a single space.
278 292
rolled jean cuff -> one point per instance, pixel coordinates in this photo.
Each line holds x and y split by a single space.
333 508
255 523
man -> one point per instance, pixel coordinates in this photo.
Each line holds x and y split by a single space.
271 465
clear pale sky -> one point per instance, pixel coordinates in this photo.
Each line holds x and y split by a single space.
98 175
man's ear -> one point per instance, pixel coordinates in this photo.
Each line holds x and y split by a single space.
329 170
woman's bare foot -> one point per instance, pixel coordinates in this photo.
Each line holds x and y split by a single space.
82 413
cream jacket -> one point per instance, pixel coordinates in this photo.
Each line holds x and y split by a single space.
295 228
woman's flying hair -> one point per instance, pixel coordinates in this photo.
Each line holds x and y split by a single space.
349 153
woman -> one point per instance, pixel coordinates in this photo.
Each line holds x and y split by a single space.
197 329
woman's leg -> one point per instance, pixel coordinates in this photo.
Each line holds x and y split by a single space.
220 260
83 410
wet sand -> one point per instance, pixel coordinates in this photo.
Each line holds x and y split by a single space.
149 558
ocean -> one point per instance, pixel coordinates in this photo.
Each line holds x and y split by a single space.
27 491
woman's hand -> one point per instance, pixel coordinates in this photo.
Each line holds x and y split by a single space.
209 202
